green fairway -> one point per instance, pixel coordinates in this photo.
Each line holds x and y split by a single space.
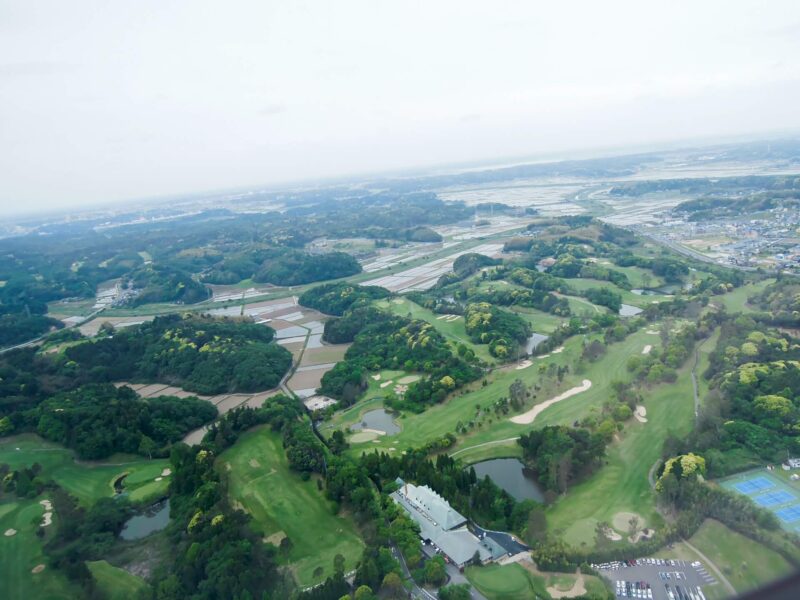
116 583
507 582
622 484
281 503
451 330
736 301
443 418
87 481
628 297
746 563
20 553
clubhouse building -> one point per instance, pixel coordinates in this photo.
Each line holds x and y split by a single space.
445 528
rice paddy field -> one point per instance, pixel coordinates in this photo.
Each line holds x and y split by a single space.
283 505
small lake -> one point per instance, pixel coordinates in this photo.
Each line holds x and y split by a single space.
626 310
153 519
645 292
511 475
534 341
379 420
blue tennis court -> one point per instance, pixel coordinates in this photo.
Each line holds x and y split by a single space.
773 498
753 485
790 514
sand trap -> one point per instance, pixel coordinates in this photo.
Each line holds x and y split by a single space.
440 317
622 520
452 318
578 588
640 413
166 473
275 538
408 379
37 569
366 435
612 535
392 449
159 479
558 350
398 300
646 349
254 463
544 356
47 519
376 377
385 383
524 365
400 389
46 504
651 332
10 532
528 417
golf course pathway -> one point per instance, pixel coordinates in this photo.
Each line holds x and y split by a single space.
493 442
714 568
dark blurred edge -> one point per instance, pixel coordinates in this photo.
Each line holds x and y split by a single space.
783 589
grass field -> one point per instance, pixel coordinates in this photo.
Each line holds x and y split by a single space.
87 481
622 484
736 301
507 582
282 503
115 583
451 330
628 297
744 562
22 552
443 418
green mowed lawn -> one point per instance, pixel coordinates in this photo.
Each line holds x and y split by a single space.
282 503
87 481
451 330
20 553
541 322
746 563
507 582
115 583
628 297
622 484
639 277
736 301
443 418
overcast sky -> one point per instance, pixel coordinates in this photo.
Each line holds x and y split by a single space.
102 101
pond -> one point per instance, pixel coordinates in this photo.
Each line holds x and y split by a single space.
645 292
379 420
153 519
511 475
626 310
534 341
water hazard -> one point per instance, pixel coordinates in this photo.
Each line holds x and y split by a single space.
511 475
378 420
153 519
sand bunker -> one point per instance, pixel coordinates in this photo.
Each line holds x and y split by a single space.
37 569
400 389
10 532
275 538
47 519
578 589
366 435
46 504
524 365
646 349
385 383
166 473
640 413
408 379
254 463
376 377
612 535
528 417
558 350
158 479
651 332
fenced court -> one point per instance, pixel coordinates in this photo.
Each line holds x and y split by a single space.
769 491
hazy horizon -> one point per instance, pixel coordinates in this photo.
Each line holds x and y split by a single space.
104 103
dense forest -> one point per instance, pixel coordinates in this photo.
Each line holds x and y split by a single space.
336 298
200 354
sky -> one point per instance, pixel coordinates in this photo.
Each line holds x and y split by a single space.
107 101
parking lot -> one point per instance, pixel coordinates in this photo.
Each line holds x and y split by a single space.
657 579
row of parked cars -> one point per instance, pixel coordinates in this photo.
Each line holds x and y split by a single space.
618 564
634 589
686 593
